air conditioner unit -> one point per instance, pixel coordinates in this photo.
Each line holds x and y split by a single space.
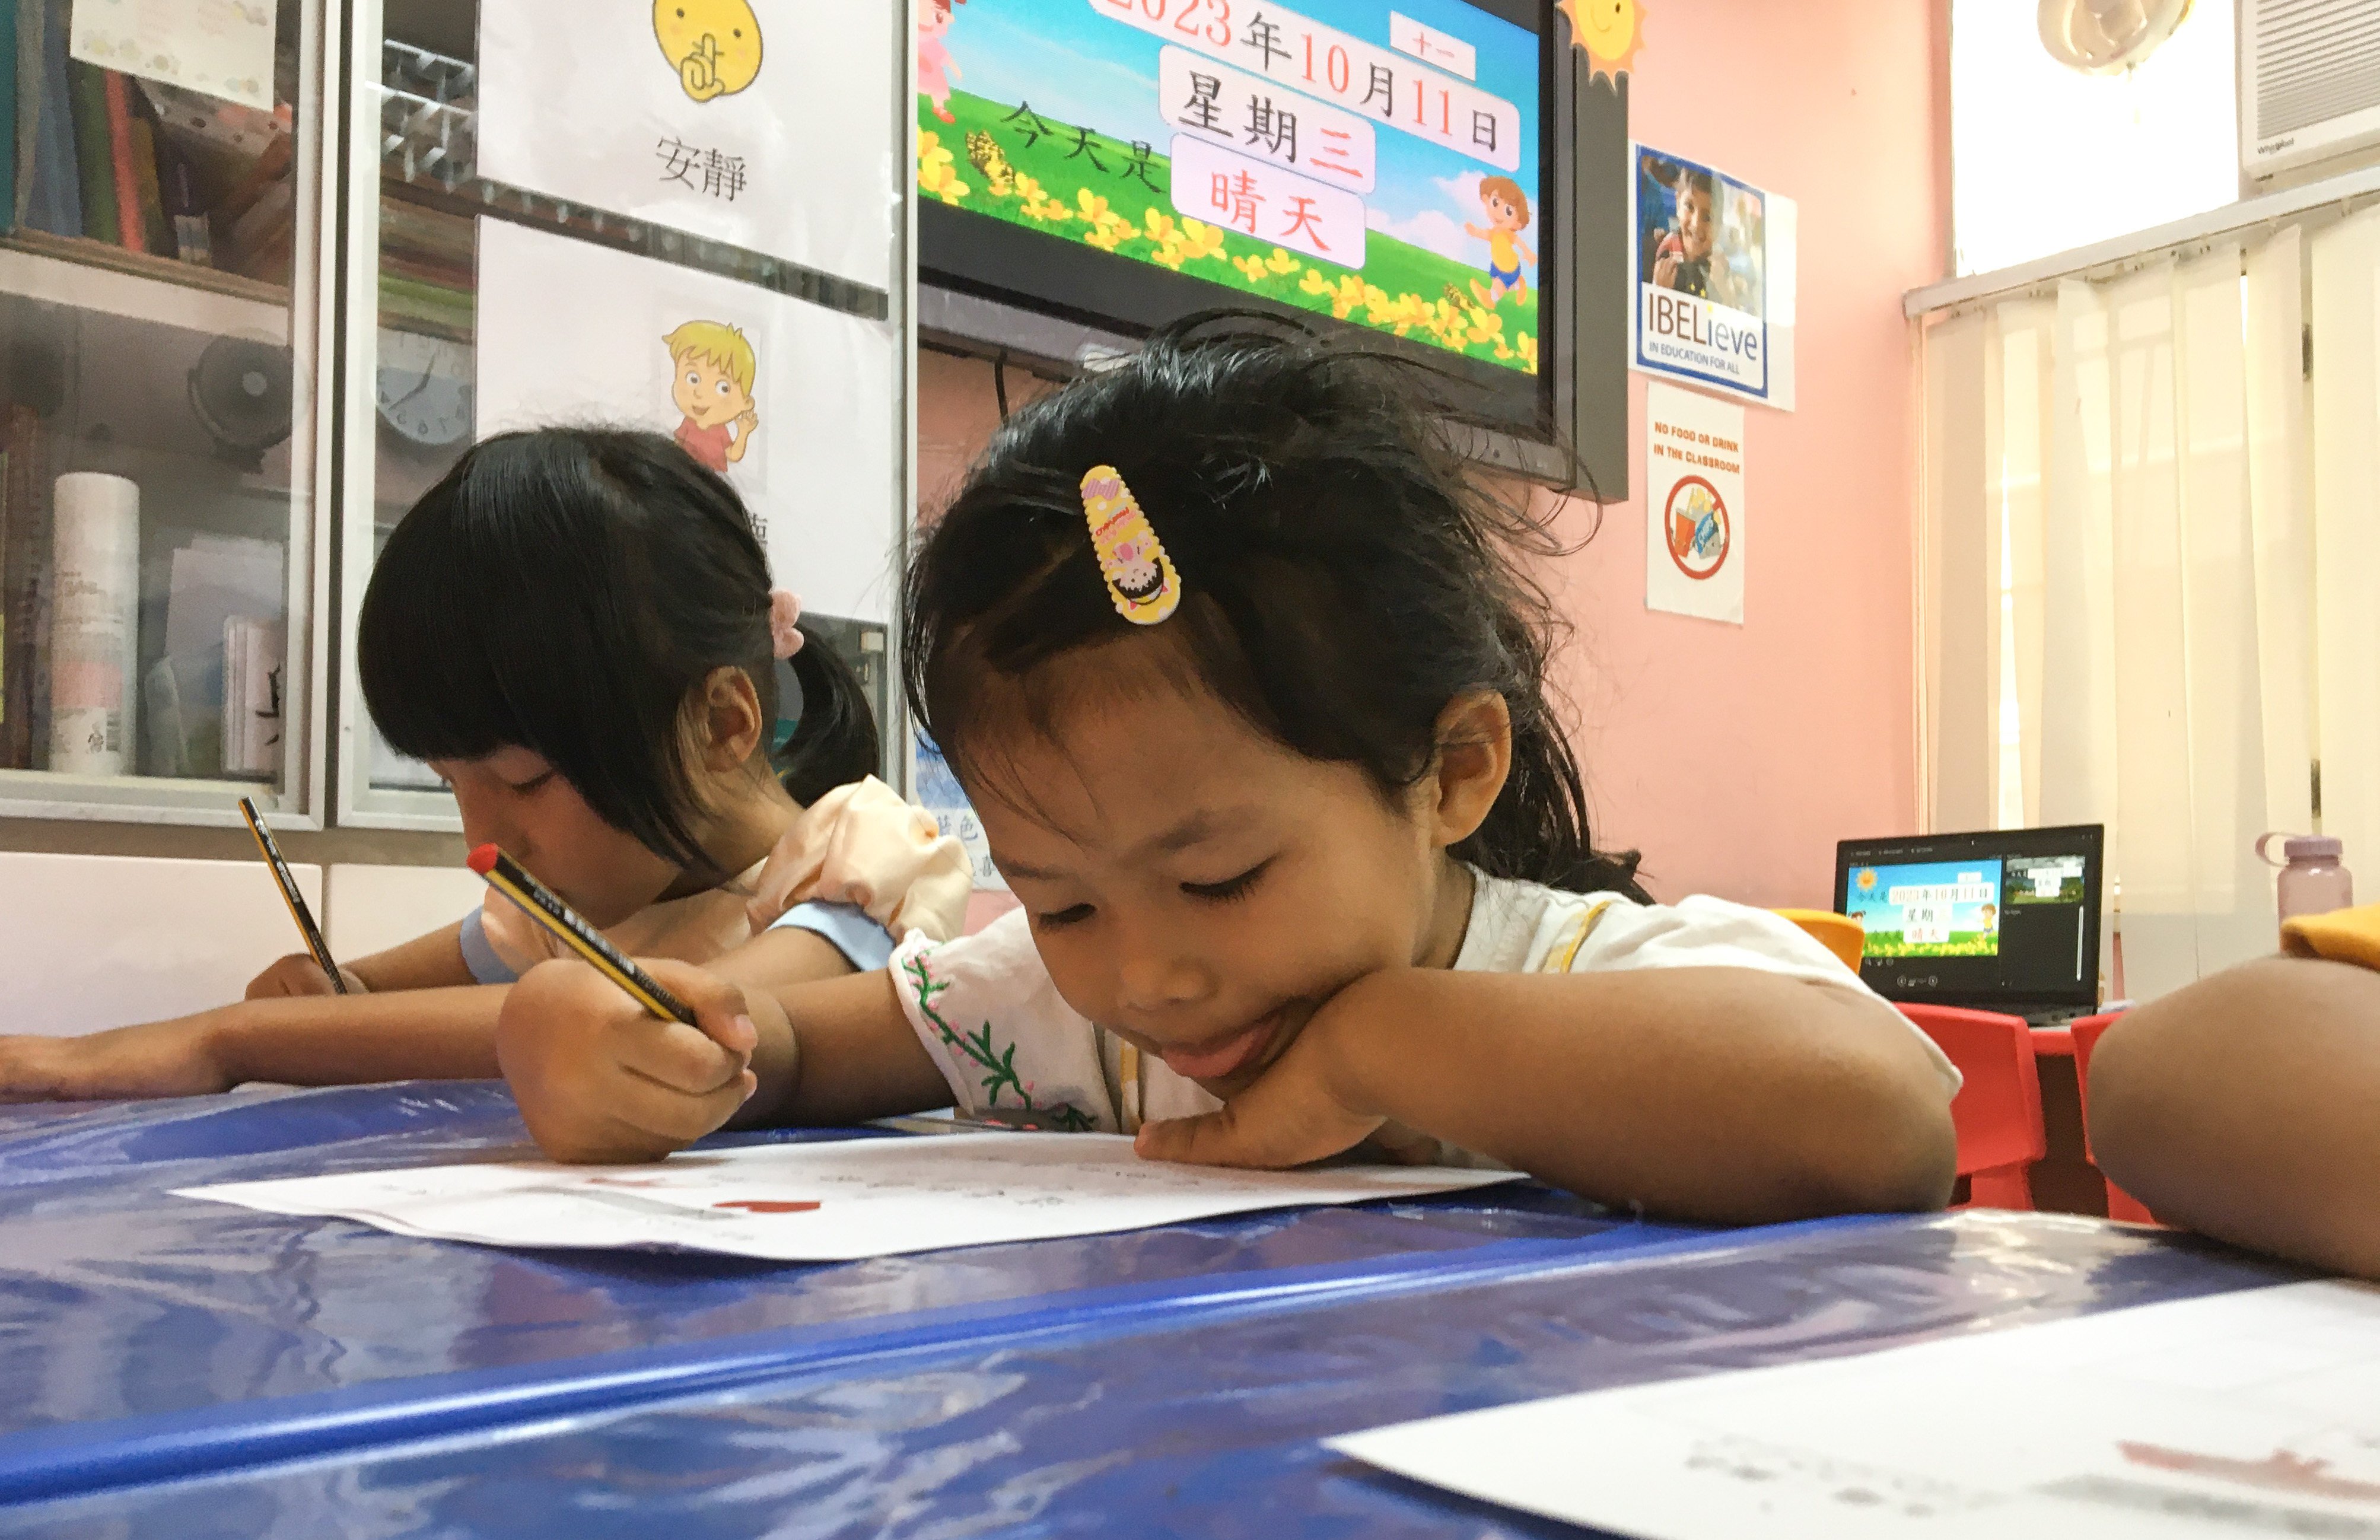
2309 84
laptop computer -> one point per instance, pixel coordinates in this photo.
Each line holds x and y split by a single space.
2005 920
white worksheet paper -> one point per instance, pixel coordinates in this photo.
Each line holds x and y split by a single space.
828 1202
2251 1413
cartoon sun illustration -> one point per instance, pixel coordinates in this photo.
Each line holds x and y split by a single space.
715 45
1610 32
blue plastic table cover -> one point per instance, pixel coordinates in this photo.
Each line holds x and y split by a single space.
118 1300
1203 1419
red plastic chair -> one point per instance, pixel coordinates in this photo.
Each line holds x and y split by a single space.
2120 1204
1997 1111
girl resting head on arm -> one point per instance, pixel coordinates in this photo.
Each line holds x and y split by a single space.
1265 752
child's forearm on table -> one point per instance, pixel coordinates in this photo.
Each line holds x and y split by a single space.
447 1033
1716 1093
836 1052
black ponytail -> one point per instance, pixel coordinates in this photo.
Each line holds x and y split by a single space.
836 741
566 591
1345 579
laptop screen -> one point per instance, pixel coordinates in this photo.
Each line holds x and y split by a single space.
2007 920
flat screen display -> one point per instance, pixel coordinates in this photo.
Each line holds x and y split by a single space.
2008 917
1379 164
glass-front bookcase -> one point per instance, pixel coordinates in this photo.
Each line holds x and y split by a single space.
267 271
162 427
545 219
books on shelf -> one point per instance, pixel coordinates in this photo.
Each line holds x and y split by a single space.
92 154
426 256
24 562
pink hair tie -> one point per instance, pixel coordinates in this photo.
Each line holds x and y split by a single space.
785 631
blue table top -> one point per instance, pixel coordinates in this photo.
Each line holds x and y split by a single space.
186 1368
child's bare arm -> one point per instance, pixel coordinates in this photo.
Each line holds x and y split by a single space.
316 1040
1715 1094
430 962
2247 1106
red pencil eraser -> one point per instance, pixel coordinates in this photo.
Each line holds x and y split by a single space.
483 860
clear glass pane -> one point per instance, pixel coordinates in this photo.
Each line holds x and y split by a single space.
156 280
443 227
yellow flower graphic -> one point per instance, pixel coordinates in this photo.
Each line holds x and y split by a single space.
1201 240
934 170
1282 262
1251 267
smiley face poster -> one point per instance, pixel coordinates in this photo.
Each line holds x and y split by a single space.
774 128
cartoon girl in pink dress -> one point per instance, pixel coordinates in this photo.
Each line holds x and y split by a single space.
936 68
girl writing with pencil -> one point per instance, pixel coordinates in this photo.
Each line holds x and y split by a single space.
1246 683
575 628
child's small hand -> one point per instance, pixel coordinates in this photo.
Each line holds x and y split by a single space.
160 1058
599 1079
298 974
1301 1109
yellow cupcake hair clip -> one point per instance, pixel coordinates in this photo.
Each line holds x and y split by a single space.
1133 566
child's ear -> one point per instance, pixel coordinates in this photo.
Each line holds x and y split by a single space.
728 720
1475 756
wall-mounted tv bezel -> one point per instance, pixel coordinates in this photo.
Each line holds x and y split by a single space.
1566 423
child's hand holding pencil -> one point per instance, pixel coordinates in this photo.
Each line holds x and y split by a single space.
612 1059
600 1078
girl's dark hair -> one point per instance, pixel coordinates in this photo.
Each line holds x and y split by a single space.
564 591
1342 578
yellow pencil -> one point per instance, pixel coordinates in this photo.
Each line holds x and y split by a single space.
306 929
507 875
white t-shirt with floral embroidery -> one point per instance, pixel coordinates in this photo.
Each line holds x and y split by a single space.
987 1010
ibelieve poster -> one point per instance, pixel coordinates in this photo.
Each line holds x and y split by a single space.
1714 279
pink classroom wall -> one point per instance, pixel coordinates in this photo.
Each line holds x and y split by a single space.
1734 757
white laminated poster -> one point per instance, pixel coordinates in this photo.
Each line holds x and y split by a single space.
773 126
95 624
937 791
794 403
221 47
2254 1413
831 1200
1693 504
1715 281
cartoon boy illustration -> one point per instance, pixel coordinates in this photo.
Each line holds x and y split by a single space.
1507 208
1684 259
711 371
715 45
936 68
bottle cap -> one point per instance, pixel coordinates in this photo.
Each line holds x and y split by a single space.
2300 847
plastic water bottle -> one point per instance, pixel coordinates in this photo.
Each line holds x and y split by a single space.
2312 881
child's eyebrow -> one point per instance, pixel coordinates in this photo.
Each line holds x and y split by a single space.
1204 824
